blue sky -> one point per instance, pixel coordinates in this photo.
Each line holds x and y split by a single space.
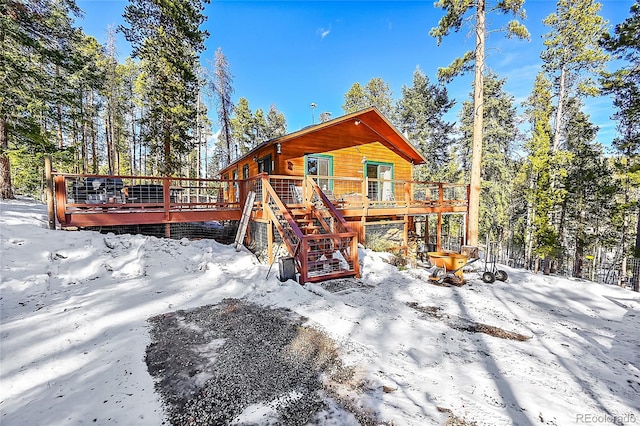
294 53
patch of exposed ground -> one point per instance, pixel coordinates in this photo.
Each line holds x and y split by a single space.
241 363
454 420
345 285
463 324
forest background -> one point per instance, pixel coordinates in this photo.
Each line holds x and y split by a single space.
550 191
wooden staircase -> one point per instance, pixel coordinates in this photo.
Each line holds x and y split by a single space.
315 234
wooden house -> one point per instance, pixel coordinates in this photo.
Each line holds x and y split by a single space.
315 194
362 166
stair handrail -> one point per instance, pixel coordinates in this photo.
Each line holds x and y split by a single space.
327 203
344 230
271 195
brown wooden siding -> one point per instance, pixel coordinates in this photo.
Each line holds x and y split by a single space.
347 162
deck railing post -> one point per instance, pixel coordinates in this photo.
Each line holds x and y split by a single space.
365 192
265 179
60 185
243 192
304 267
49 191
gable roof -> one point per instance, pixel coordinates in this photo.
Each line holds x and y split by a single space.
359 128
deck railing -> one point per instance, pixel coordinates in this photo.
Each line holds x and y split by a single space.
85 194
359 193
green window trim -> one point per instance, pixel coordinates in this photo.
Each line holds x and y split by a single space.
379 163
320 156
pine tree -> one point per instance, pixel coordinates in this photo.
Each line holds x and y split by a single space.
500 134
573 55
86 85
260 129
588 185
624 85
166 36
223 89
243 128
376 93
420 114
456 10
33 39
355 99
276 123
541 238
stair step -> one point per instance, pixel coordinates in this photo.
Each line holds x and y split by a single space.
310 229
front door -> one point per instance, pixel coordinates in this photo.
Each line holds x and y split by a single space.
380 187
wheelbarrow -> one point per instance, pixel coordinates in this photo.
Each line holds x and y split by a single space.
447 267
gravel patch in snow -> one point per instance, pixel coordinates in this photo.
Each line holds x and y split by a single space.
241 363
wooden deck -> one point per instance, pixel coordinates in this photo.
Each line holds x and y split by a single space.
180 200
158 201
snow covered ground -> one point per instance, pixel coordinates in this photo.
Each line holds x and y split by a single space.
74 310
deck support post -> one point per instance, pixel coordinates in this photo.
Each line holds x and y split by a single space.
405 235
439 233
426 232
270 252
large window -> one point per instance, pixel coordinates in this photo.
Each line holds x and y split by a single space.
380 181
320 165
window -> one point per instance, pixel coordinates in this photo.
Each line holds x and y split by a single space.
380 181
264 164
320 165
236 187
245 171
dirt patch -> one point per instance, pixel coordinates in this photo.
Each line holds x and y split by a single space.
345 285
242 363
454 420
462 324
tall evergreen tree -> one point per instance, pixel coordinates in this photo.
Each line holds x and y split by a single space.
355 99
420 117
243 128
456 11
87 84
34 42
222 85
588 186
573 55
167 37
260 128
276 123
624 85
375 93
500 134
541 238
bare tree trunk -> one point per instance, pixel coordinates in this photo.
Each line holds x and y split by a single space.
478 104
83 135
132 166
559 111
109 141
6 190
59 130
94 148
